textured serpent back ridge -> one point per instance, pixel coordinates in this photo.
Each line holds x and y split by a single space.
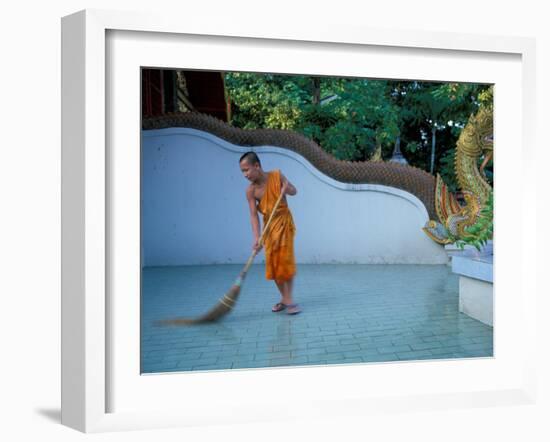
401 176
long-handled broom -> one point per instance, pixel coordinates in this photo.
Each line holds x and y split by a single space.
227 301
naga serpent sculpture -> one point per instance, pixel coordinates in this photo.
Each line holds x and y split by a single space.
475 141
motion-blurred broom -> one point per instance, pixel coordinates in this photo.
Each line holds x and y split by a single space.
227 301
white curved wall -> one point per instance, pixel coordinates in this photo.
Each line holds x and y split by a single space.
194 209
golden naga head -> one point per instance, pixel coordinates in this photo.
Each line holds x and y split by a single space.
476 138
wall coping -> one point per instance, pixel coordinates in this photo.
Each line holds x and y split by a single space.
175 131
480 267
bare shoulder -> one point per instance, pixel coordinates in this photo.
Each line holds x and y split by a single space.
250 191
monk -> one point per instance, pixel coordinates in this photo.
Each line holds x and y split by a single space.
262 194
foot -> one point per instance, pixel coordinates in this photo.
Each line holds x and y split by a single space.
292 309
279 307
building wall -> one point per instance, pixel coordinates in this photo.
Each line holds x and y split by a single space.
194 209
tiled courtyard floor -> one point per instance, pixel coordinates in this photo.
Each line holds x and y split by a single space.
351 314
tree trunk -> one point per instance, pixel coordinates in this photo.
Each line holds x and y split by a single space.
316 95
377 154
432 159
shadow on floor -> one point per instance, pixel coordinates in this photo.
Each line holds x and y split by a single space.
51 414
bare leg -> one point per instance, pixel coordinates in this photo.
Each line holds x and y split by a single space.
282 286
285 288
288 291
289 285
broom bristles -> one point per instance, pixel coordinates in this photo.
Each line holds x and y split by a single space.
225 305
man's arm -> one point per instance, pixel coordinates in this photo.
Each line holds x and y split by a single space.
254 218
287 187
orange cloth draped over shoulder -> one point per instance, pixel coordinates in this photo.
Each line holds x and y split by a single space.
279 240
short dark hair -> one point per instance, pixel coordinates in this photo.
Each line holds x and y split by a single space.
251 158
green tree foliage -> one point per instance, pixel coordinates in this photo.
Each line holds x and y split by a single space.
440 110
352 118
359 118
265 101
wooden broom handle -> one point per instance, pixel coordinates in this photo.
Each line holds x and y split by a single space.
275 207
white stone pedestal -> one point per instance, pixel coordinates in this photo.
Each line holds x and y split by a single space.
476 297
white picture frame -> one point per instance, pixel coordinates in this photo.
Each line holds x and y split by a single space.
89 191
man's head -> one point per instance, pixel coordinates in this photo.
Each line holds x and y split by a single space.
250 166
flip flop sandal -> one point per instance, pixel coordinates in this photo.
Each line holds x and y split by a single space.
279 307
292 309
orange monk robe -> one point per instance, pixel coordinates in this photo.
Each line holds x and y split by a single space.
279 240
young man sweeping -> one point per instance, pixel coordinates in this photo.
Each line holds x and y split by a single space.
262 194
